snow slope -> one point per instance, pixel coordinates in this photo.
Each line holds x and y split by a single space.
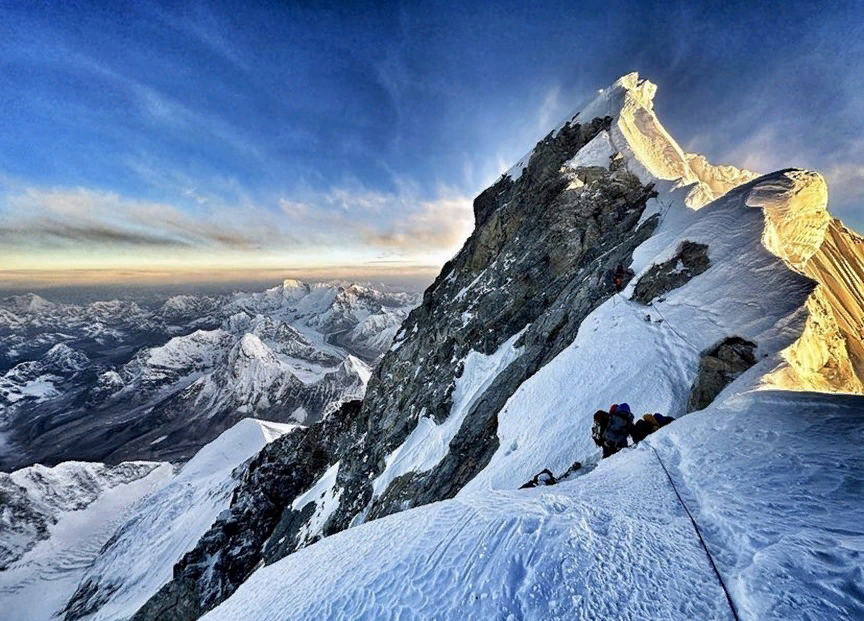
163 526
37 586
775 481
458 559
37 497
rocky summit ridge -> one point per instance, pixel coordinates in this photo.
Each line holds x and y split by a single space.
737 281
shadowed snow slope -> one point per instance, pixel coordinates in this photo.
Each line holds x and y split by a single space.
775 480
496 375
159 516
165 525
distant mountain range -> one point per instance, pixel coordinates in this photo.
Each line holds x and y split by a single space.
112 381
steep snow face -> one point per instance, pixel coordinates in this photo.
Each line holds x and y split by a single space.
35 498
655 350
458 409
796 215
778 498
799 229
163 526
839 268
650 152
74 508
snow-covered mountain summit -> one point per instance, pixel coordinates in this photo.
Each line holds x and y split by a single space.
607 266
737 283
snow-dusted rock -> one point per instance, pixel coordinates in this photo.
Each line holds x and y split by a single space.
173 377
496 375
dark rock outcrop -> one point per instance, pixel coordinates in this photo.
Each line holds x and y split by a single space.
718 368
690 260
537 263
235 545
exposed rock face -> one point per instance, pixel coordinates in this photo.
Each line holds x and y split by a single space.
234 545
536 265
546 237
718 368
690 260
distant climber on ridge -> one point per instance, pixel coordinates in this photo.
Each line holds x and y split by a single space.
621 276
611 429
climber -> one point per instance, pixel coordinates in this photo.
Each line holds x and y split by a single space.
611 428
648 424
621 275
644 427
544 477
663 420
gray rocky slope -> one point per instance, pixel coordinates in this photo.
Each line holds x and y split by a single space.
548 237
538 262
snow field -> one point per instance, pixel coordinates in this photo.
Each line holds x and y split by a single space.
774 479
36 587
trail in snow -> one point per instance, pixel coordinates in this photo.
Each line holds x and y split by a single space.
775 481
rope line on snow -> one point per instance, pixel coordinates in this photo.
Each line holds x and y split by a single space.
666 321
698 534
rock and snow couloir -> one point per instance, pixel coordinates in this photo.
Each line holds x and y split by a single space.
496 374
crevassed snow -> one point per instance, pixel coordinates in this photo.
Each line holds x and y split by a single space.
429 442
38 585
775 481
163 526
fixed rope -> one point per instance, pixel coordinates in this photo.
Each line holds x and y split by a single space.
666 321
698 534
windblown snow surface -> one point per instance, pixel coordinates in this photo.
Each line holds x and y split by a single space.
134 532
774 479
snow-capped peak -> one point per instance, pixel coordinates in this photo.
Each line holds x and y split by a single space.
644 144
250 348
28 303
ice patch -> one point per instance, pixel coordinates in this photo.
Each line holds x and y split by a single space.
598 152
326 499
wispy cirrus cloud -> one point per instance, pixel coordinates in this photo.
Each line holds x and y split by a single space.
39 217
400 226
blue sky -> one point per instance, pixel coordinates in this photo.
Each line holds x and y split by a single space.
265 134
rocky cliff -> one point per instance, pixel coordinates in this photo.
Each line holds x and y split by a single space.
608 188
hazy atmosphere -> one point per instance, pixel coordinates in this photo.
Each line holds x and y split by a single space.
162 142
